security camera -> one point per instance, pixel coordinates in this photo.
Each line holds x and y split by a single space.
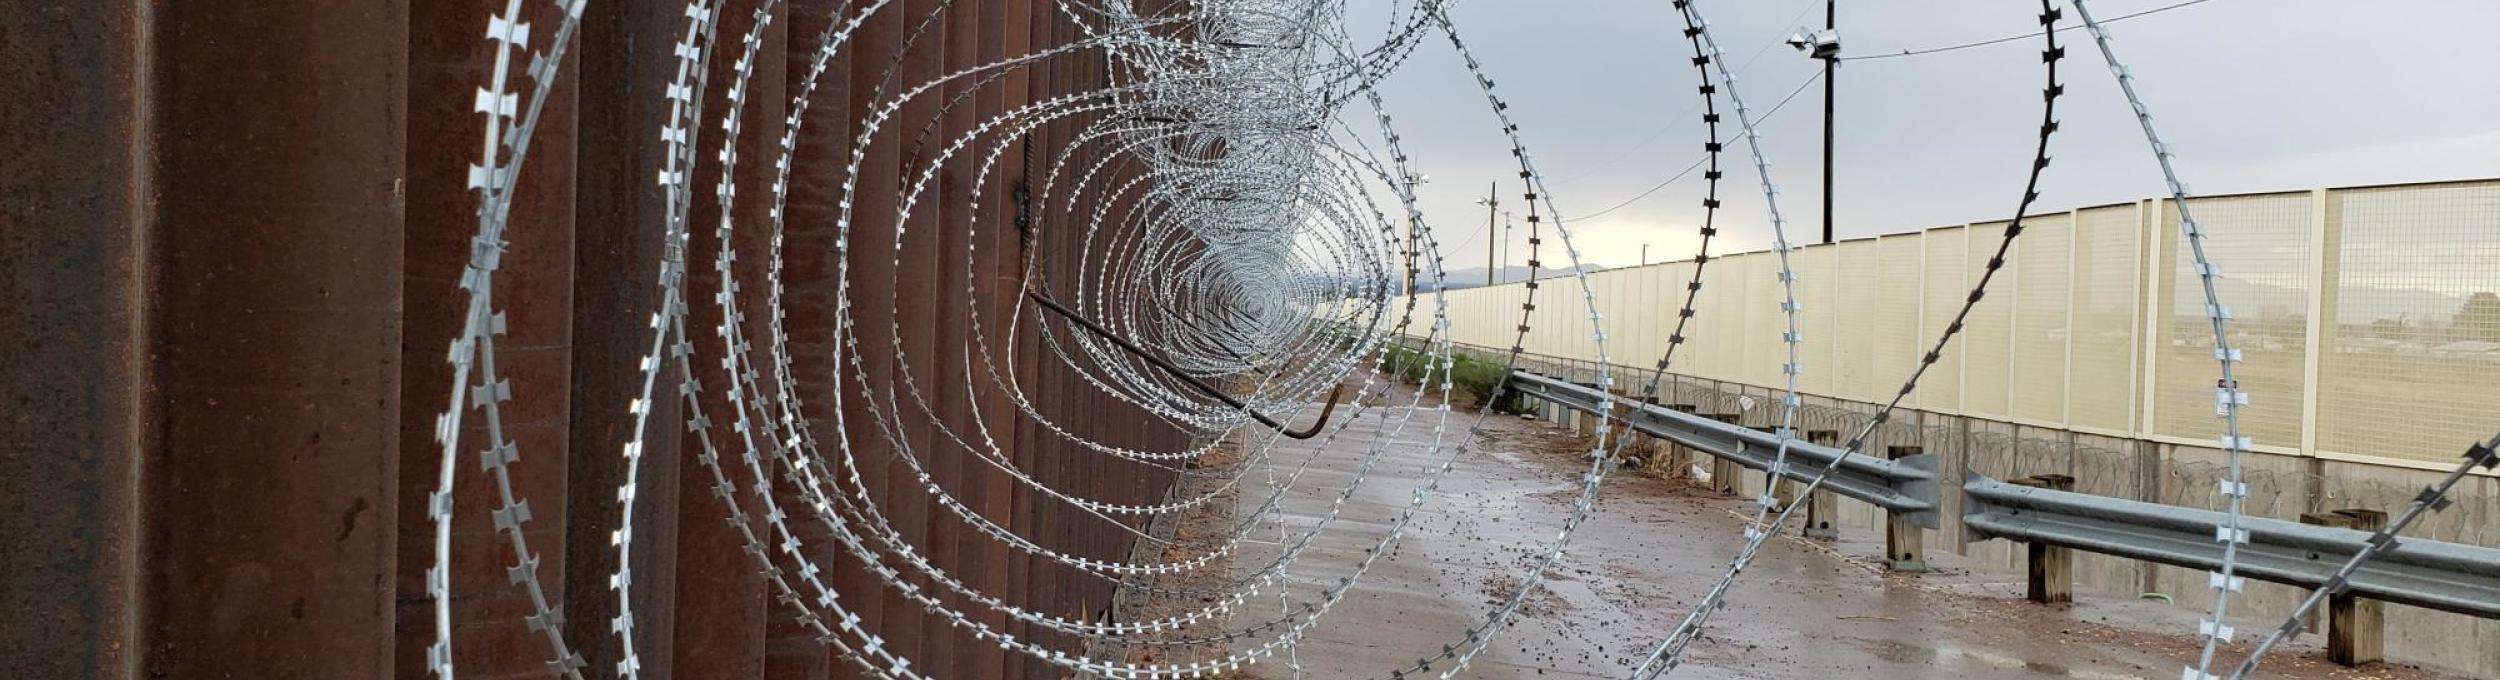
1824 44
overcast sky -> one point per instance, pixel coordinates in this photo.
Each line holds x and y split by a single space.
2253 95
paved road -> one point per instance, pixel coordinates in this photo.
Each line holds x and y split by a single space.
1805 610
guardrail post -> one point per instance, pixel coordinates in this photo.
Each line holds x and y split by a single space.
1651 451
2356 628
1585 423
1822 509
1770 484
2052 568
1677 454
1724 472
2323 519
1904 548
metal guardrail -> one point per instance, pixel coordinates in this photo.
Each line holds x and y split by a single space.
2451 577
1906 486
2445 576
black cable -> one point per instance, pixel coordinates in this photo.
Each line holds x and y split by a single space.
2012 38
1766 116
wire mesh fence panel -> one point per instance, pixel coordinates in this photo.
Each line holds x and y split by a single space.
1727 288
1642 340
1988 337
1898 344
1700 354
1660 316
2102 371
2097 322
1765 321
1818 289
2408 366
2261 243
1853 373
1555 336
1614 307
1637 286
1943 290
2041 292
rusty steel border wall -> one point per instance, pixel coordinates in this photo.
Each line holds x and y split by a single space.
230 235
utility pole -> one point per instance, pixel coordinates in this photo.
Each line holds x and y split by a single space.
1492 212
1410 257
1831 68
1825 45
1644 254
1412 181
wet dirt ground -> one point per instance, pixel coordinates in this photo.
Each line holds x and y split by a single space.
1804 609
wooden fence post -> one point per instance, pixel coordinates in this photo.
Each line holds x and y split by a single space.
1822 508
2051 568
2356 629
1904 548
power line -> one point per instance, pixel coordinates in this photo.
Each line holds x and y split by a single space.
1629 150
1766 115
2012 38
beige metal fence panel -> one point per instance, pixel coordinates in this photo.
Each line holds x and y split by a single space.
1500 308
1472 316
1853 373
1563 316
1535 341
2041 310
1728 333
2101 387
1818 286
1621 304
1988 337
1601 290
1896 328
2262 245
1701 353
1661 316
2410 368
1764 321
1507 317
1639 303
1541 315
2371 314
1701 335
1942 291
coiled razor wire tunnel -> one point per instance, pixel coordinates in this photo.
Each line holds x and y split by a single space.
1066 268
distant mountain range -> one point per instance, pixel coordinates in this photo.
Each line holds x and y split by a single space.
2356 305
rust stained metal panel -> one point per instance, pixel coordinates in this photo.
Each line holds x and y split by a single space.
721 591
619 232
448 61
274 337
76 207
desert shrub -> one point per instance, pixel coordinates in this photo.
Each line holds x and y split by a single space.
1476 378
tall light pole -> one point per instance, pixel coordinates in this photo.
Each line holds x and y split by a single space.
1492 203
1825 45
1644 254
1831 70
1412 181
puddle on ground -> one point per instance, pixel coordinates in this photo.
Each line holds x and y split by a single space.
1952 656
